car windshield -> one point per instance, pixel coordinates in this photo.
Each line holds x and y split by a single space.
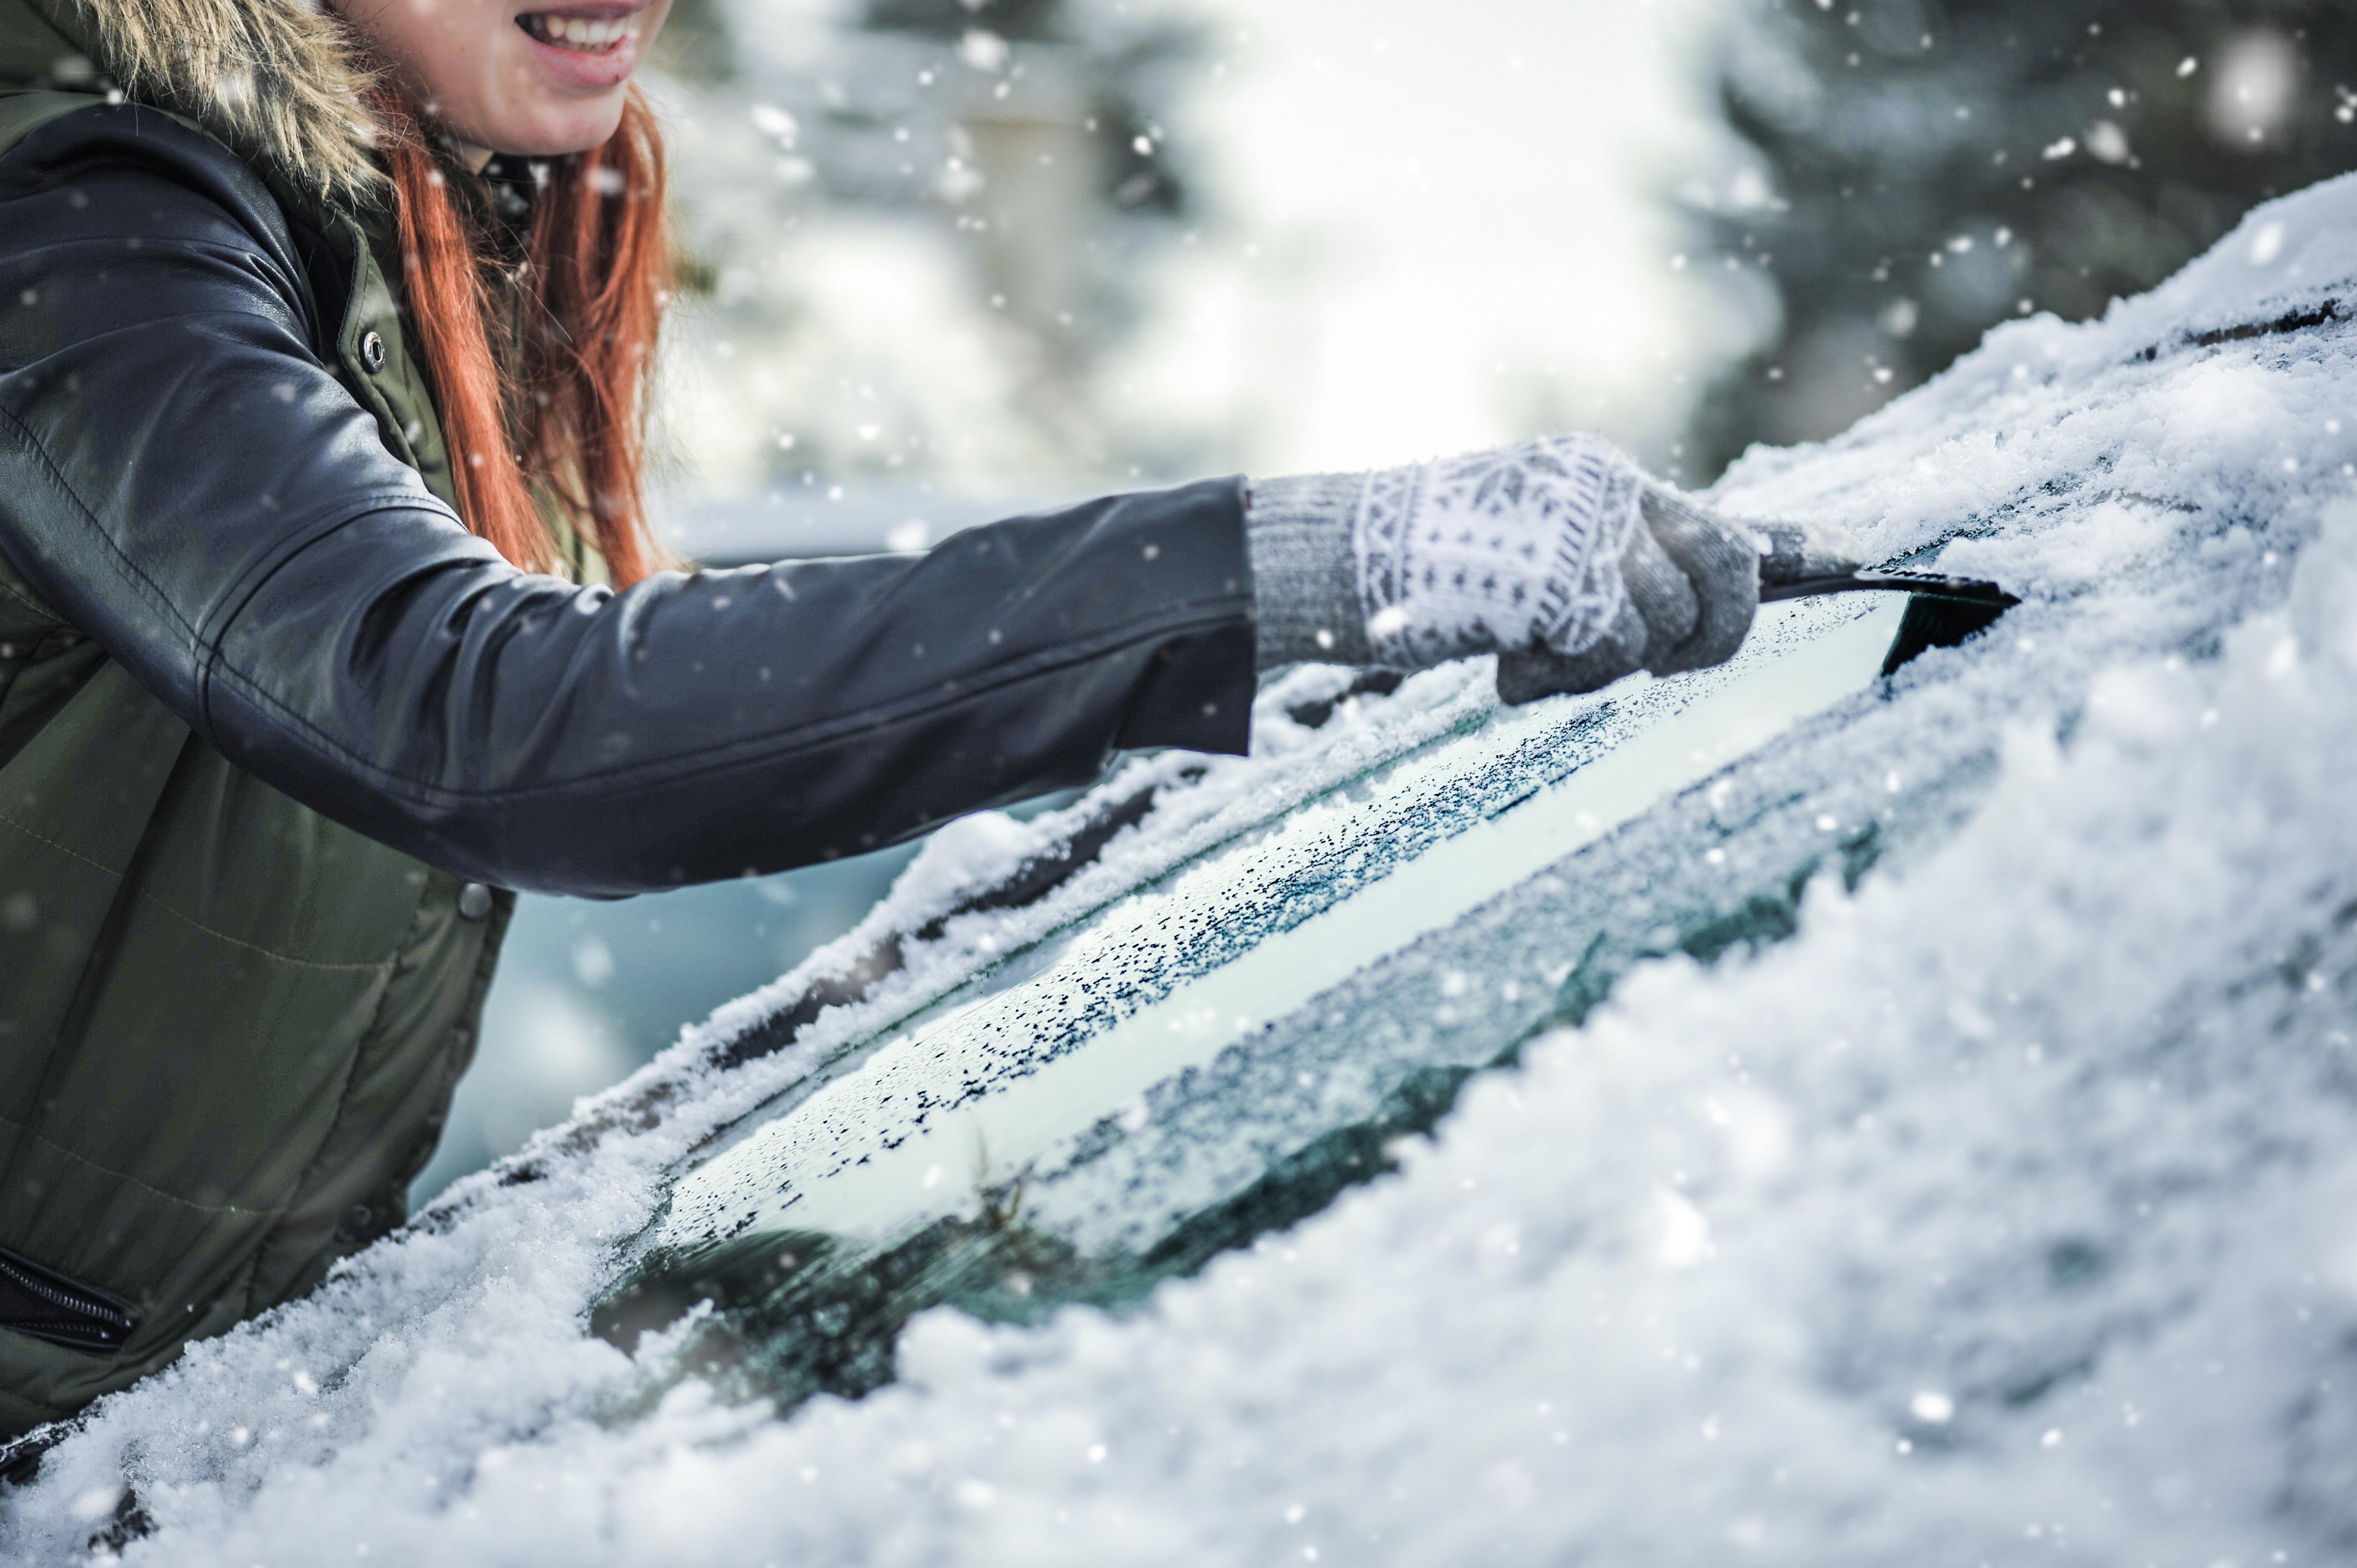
1220 1051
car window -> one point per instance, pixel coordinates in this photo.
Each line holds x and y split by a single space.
1223 1047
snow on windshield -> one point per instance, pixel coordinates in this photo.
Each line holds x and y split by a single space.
2006 1210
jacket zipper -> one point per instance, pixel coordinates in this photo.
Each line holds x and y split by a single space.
85 1319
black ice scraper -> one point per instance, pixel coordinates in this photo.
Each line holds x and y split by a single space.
1943 612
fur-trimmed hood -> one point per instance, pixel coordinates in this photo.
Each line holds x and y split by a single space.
276 80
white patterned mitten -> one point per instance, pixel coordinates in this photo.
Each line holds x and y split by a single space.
1559 556
1693 581
1510 549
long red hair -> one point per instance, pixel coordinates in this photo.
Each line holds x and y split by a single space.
555 414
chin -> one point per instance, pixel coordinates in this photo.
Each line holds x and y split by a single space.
551 135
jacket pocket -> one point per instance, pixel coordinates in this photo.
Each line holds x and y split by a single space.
42 1303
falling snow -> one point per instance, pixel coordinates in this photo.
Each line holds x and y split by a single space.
2004 1207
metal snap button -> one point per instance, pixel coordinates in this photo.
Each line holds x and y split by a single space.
356 1222
371 352
474 901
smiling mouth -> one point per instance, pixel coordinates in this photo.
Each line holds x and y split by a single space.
581 35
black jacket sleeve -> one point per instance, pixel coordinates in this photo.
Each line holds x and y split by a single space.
184 477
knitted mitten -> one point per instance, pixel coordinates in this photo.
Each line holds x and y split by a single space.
1559 556
1407 567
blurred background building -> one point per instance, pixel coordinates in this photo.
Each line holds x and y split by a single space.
948 259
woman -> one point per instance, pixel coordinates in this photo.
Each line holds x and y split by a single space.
327 612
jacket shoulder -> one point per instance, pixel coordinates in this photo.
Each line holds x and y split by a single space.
144 173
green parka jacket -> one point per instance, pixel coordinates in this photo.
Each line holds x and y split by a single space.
186 953
235 996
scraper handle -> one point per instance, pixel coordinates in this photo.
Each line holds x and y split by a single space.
1926 585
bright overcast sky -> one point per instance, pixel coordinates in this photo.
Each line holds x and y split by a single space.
1426 228
1444 228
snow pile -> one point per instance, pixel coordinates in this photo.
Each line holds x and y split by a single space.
2007 1212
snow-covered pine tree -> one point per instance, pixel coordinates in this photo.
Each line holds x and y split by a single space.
1922 169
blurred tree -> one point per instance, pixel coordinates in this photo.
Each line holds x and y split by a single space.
1922 169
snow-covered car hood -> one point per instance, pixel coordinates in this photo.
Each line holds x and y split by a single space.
1926 1130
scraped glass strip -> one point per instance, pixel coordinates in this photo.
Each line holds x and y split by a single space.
1001 1076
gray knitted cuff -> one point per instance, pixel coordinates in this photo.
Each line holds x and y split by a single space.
1306 570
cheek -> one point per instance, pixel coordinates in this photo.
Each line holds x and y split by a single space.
449 49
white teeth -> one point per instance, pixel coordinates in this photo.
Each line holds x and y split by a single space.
581 33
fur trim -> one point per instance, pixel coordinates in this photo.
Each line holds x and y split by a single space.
273 79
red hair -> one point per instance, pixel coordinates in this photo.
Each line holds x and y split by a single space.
559 420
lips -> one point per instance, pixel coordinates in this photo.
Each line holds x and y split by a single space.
589 47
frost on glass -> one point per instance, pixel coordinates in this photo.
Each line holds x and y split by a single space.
1219 1053
1929 1133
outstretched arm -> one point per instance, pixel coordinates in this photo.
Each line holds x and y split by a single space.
183 480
